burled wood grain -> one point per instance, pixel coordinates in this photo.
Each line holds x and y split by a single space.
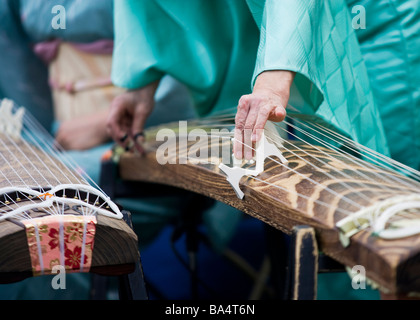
329 187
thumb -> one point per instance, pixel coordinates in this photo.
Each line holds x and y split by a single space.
141 113
278 114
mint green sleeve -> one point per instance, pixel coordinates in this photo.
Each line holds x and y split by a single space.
133 64
316 40
390 45
209 46
287 42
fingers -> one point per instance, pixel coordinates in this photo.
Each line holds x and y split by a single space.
278 114
140 116
117 121
248 133
262 118
128 115
125 121
138 140
245 122
253 113
240 120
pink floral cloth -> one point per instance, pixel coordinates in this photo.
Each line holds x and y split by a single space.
60 240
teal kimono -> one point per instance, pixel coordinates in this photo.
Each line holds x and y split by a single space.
390 46
343 75
218 48
365 81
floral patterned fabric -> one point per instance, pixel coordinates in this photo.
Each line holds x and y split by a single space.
64 240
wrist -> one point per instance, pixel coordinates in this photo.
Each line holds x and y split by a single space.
278 82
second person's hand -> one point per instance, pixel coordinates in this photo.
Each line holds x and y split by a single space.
128 114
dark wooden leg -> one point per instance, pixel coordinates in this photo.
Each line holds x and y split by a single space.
295 263
303 264
132 286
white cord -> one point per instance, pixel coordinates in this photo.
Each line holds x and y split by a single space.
55 199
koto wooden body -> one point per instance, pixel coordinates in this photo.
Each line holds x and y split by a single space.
115 250
22 164
272 198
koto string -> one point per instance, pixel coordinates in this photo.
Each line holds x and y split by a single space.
26 157
58 155
313 181
349 214
33 130
347 142
29 134
350 158
404 214
226 116
17 175
414 184
68 161
317 168
389 161
328 206
359 161
309 179
401 213
362 195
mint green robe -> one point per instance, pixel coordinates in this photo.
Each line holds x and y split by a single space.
217 49
363 81
390 46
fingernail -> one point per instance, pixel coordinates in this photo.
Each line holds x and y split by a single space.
254 137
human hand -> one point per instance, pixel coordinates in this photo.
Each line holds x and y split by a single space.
128 114
83 133
267 101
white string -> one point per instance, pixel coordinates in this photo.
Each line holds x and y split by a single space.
35 132
30 162
68 161
358 160
355 160
348 158
32 129
389 161
50 201
19 177
307 178
344 141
